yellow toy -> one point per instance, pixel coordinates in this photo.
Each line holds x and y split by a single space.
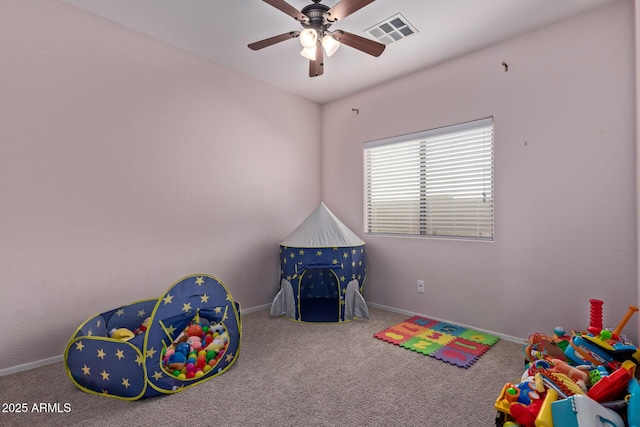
123 334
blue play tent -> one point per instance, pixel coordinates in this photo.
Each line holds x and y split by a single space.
132 369
322 271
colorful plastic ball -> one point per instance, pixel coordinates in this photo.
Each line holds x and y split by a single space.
182 376
194 331
202 353
191 374
198 374
211 354
176 373
206 368
212 362
191 367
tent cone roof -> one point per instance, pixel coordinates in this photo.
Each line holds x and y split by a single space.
322 229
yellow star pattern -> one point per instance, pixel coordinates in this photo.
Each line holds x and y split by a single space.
186 307
120 312
318 253
171 330
89 333
157 375
345 255
79 345
125 383
86 370
301 251
151 352
139 359
229 357
98 323
105 375
199 281
101 354
334 262
204 298
168 299
292 255
141 313
218 310
120 354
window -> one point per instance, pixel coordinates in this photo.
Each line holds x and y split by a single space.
436 183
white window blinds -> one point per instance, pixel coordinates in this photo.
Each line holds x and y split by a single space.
433 183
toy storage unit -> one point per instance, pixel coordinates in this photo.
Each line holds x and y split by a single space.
134 369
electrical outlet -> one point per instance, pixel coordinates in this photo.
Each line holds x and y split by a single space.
421 286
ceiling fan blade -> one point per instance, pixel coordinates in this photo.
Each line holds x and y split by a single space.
316 68
273 40
288 9
365 45
345 8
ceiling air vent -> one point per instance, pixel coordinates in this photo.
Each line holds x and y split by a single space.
392 29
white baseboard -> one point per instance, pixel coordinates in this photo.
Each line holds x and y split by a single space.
43 362
505 337
30 365
55 359
257 308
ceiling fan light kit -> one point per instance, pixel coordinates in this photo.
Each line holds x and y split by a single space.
330 44
316 19
308 38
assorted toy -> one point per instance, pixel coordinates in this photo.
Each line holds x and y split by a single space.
586 379
196 350
157 346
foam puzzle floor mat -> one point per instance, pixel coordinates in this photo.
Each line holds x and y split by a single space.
449 343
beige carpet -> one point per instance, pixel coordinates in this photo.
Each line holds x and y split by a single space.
293 374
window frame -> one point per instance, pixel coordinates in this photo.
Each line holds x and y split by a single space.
416 203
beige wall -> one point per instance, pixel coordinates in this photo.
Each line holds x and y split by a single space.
126 164
565 194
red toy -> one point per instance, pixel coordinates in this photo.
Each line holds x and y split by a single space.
611 387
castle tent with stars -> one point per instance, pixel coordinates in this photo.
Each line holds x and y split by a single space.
123 352
322 271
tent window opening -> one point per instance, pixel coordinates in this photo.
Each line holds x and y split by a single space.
435 183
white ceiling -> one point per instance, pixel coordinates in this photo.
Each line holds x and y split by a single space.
220 30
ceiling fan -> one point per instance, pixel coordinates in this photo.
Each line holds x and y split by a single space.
316 19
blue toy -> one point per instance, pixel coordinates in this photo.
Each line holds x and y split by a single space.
134 369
